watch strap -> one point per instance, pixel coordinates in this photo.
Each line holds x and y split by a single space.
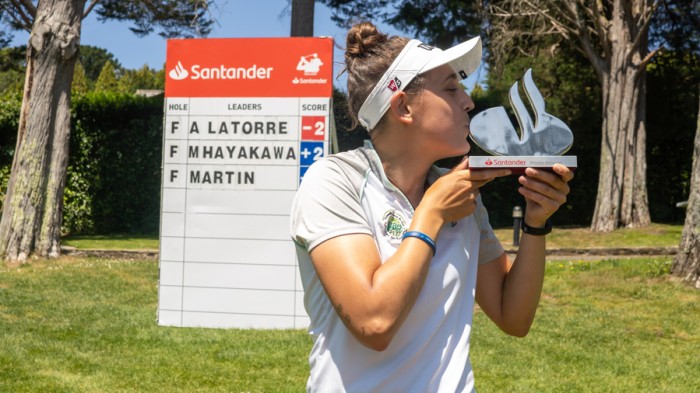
536 231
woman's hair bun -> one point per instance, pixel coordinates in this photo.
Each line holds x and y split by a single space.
362 38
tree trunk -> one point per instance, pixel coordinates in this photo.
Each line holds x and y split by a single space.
302 18
622 199
686 265
32 210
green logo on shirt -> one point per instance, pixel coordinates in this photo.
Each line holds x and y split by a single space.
394 224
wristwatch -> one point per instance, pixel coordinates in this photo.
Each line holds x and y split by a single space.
536 231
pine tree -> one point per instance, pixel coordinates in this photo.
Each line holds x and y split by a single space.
107 81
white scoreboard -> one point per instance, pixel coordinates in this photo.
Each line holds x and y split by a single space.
244 119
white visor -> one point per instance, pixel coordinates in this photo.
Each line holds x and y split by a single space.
415 59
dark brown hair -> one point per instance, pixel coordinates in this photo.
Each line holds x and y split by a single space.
368 55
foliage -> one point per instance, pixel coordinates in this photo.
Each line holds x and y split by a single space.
9 121
113 182
671 122
438 22
80 84
143 78
676 25
107 80
5 39
12 64
89 326
13 58
176 18
94 59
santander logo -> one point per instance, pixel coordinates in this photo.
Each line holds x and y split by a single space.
179 72
488 162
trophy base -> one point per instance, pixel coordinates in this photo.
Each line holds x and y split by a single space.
517 164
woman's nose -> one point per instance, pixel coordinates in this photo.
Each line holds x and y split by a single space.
468 102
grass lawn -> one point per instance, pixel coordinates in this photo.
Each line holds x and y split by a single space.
89 325
113 242
656 235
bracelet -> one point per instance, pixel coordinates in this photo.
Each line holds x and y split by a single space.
422 236
536 231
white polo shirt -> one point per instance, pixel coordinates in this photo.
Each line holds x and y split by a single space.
349 193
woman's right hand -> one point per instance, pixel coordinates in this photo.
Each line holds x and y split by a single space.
453 196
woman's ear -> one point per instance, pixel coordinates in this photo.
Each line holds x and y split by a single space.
400 108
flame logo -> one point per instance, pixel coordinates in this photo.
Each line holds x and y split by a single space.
546 136
179 72
488 162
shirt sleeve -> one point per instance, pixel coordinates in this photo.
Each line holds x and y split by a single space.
490 247
327 204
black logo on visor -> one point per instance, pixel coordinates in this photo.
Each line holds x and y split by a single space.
426 46
463 74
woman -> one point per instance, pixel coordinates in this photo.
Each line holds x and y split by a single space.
393 251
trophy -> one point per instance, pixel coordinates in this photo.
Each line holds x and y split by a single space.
540 144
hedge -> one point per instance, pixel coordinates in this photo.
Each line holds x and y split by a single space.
113 181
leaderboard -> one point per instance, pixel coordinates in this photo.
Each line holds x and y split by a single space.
244 120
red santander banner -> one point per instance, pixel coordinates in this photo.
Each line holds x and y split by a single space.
251 67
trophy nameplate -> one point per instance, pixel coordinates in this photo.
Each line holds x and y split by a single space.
540 144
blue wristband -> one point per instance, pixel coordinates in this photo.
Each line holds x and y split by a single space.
422 236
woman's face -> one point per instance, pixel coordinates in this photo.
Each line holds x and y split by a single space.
441 113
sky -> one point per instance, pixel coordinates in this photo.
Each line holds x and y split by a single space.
234 18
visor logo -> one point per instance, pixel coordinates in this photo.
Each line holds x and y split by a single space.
426 46
394 84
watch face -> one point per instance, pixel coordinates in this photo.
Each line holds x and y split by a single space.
545 135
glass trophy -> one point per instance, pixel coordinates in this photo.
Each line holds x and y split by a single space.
541 142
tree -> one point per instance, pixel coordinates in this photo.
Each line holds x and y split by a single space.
80 84
143 78
107 80
32 208
94 59
613 35
686 264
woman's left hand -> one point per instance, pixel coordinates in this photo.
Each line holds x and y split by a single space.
544 191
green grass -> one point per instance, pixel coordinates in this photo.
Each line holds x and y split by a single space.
603 326
88 325
656 235
112 242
